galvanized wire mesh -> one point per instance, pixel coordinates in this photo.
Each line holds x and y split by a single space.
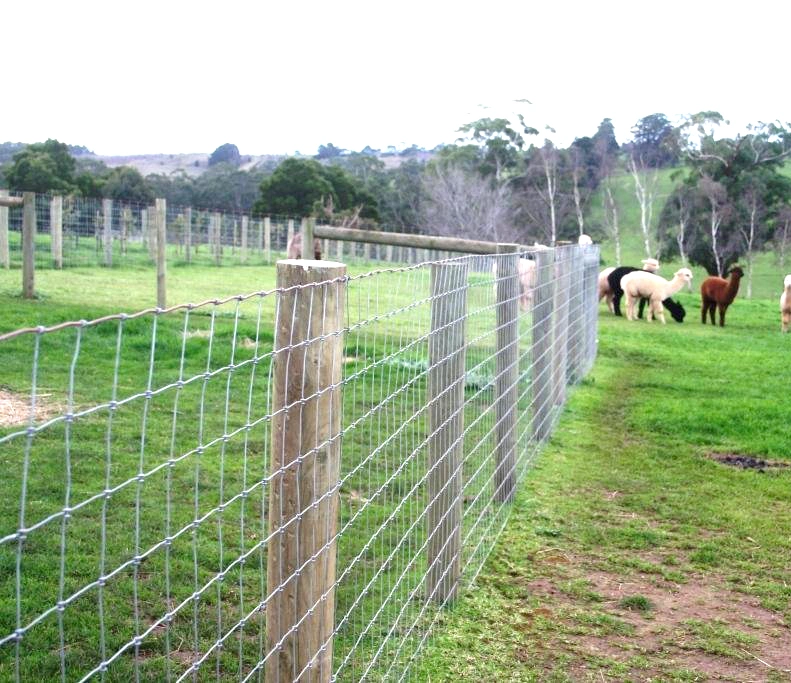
167 515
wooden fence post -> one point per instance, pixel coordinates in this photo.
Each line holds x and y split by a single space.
56 230
152 232
245 227
306 229
5 256
144 228
541 375
161 232
29 245
446 351
268 239
561 306
260 241
507 371
289 232
107 217
188 234
576 326
306 452
217 237
339 250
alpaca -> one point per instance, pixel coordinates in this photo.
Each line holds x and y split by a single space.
294 247
650 265
785 304
720 293
643 285
677 311
584 240
605 291
527 281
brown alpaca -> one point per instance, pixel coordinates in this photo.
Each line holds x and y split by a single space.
294 247
720 293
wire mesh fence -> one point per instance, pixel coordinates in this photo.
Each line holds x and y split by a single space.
82 231
285 485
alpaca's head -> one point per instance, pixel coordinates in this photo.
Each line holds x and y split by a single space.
736 272
684 274
650 264
787 282
676 309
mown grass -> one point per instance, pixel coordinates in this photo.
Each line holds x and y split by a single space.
191 444
625 497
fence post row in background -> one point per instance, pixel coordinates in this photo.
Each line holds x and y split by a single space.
446 352
161 225
56 230
5 258
29 245
561 325
303 497
506 370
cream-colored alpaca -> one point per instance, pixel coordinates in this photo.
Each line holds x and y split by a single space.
642 285
785 305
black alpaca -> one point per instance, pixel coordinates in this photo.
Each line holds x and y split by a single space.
614 279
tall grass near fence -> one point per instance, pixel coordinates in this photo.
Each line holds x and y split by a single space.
159 519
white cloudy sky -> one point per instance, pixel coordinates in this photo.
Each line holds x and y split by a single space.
275 76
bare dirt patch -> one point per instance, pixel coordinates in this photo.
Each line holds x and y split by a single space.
15 409
698 626
748 462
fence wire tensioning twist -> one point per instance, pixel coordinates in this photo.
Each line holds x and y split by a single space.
286 485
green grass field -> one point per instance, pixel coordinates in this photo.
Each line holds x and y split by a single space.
169 454
633 554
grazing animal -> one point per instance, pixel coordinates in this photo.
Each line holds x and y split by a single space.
677 311
785 305
584 240
605 291
643 285
650 265
527 281
717 292
294 247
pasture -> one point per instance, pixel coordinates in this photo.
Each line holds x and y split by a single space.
632 551
147 491
652 539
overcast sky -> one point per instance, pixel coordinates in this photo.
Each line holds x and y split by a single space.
279 76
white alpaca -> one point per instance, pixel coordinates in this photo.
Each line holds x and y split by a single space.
785 305
642 285
584 240
604 288
527 281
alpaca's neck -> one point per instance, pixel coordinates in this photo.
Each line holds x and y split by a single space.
733 286
674 286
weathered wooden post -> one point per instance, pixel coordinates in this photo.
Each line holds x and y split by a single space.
56 230
446 351
188 234
289 232
152 232
245 228
306 228
590 286
339 249
507 371
260 241
576 327
29 245
326 247
5 256
389 252
306 452
561 307
234 236
107 217
268 239
161 232
541 371
144 228
217 235
126 223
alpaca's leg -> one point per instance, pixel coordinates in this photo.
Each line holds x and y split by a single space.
785 321
712 309
660 312
704 307
616 302
722 308
629 307
609 302
642 308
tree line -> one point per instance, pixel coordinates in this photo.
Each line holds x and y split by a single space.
501 180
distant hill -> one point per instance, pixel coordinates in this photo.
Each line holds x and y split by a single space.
191 164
